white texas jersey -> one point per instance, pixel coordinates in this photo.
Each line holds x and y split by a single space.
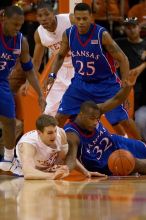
52 40
45 156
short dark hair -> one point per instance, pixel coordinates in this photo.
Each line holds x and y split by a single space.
45 121
130 21
88 104
45 5
82 7
11 10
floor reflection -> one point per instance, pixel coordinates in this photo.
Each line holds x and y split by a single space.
99 199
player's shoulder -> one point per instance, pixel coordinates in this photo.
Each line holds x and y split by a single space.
63 16
30 136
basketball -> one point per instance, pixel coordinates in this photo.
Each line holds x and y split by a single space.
121 162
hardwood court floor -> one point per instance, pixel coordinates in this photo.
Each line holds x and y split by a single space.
73 199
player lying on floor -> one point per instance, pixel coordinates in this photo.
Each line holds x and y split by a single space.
92 144
44 154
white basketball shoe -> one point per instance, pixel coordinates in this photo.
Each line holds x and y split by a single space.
13 167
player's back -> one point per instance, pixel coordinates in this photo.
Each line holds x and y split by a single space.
90 60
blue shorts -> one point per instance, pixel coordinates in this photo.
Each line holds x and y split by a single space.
7 104
137 148
80 91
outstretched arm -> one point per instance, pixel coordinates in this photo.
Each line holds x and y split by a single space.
73 142
29 70
38 52
27 153
120 96
71 159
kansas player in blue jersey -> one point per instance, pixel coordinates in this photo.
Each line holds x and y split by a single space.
90 141
93 54
13 46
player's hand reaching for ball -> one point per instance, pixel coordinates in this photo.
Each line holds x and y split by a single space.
61 172
94 174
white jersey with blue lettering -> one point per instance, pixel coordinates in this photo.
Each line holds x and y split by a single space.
45 156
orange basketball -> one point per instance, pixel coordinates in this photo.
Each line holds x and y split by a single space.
121 162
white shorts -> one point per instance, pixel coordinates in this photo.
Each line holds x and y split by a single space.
59 87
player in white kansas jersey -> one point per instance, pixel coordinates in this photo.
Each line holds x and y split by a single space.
49 35
42 152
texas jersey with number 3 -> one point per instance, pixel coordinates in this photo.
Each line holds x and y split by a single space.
90 61
94 149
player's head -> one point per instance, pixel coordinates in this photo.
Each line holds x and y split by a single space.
89 115
46 17
12 20
132 28
46 126
82 16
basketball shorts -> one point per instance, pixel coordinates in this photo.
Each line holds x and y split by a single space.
7 104
136 147
80 91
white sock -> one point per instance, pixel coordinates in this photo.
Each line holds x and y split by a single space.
8 154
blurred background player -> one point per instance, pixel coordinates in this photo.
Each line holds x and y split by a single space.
134 46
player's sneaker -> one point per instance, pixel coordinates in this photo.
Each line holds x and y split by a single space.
13 167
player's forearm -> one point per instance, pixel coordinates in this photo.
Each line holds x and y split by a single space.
118 99
70 162
57 63
31 77
79 167
70 159
124 67
36 64
34 174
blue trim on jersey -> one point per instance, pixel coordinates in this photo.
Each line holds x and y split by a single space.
89 59
10 52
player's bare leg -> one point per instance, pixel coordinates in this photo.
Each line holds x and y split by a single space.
119 129
61 118
9 127
131 129
140 166
9 163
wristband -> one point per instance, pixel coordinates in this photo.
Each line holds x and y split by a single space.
52 75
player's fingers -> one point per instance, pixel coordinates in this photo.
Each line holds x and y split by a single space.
97 174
